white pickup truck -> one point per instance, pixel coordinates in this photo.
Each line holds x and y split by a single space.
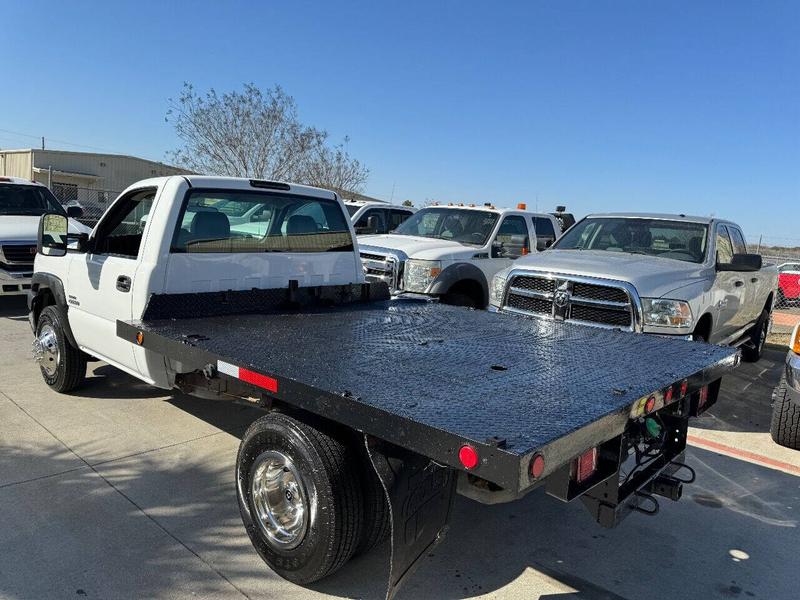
452 252
22 202
650 273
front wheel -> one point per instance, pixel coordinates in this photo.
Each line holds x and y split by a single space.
62 365
299 496
758 339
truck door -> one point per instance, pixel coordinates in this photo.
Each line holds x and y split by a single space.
545 232
753 301
101 281
511 241
731 291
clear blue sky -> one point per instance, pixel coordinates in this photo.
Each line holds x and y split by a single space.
680 107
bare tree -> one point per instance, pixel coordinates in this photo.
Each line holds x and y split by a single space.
335 169
257 134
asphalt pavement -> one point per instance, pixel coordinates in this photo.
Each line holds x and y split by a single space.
124 491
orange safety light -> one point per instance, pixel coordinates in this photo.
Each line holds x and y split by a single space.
522 206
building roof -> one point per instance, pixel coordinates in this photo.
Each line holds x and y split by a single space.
98 154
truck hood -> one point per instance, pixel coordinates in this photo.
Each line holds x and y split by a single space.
652 277
410 246
25 228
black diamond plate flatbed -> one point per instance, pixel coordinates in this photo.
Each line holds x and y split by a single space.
430 377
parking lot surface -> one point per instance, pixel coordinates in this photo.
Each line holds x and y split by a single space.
121 490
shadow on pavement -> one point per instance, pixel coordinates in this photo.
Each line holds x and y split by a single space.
745 401
14 307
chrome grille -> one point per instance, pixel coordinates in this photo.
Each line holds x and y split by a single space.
570 298
379 267
20 254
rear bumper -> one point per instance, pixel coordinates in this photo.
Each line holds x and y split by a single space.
15 283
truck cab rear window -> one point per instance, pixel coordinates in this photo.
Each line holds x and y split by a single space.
232 221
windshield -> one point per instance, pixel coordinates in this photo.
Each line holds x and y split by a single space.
460 225
678 240
31 200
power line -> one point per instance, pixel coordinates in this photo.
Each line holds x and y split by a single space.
65 143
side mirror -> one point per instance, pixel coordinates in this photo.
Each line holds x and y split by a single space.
74 212
53 231
498 251
742 263
370 227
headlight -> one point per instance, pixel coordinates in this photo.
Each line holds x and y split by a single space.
419 274
659 312
498 288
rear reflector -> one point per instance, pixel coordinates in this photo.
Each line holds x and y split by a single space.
248 376
468 457
668 395
650 404
684 387
703 397
585 465
537 466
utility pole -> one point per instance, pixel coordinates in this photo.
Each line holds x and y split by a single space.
42 142
392 196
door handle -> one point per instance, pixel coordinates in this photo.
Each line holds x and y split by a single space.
738 283
124 283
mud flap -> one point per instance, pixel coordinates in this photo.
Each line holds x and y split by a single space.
420 495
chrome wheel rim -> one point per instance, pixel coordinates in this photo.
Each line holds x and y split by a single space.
46 351
279 499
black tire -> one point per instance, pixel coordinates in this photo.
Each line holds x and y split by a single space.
377 516
328 472
785 426
457 299
758 337
67 370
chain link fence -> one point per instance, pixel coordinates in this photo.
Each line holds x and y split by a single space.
93 201
785 254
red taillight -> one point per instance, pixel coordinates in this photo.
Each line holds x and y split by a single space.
537 466
684 387
585 465
668 395
703 397
468 457
650 404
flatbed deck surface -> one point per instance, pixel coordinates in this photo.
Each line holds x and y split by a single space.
473 374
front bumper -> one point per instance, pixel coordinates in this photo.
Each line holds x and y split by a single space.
15 283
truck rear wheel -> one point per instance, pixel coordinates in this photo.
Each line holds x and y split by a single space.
299 496
785 426
62 365
376 508
758 338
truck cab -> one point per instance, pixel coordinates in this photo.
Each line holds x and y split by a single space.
180 235
452 252
371 217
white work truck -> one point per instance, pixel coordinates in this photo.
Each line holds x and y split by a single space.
452 252
181 287
22 202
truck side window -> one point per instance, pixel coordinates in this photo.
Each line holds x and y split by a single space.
120 233
396 218
363 221
545 234
724 247
513 235
739 245
286 223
